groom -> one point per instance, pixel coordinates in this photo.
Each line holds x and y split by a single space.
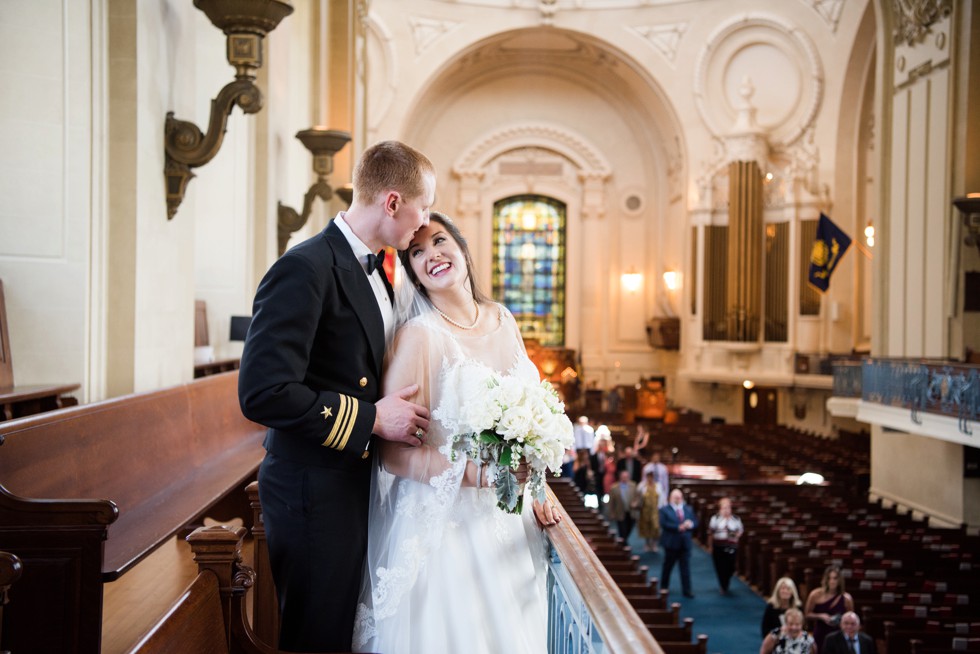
311 373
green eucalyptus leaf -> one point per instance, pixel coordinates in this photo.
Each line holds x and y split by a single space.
508 491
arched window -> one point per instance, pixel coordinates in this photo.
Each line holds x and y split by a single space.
529 264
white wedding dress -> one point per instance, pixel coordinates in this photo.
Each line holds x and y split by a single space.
446 570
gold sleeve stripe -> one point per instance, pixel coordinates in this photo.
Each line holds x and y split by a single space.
341 412
346 422
351 421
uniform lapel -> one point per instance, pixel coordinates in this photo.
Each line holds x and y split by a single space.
354 285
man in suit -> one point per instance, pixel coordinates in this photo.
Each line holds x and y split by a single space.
311 372
850 639
677 522
623 501
630 464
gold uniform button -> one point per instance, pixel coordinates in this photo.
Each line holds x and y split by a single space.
365 454
363 382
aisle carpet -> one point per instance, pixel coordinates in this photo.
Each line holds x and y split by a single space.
731 621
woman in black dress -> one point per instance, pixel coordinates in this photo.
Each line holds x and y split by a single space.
784 596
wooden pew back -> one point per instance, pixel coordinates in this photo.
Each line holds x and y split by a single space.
161 457
158 460
194 622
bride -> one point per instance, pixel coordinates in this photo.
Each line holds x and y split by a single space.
446 570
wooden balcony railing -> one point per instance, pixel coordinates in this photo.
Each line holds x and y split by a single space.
587 611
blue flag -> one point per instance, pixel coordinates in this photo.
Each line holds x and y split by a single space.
830 246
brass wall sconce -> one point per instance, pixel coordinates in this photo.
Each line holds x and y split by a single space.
245 23
969 206
323 144
346 193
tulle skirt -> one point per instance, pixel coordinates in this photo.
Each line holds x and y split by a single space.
482 591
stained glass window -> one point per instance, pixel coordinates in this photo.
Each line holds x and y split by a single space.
529 265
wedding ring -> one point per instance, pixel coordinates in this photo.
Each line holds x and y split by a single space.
419 433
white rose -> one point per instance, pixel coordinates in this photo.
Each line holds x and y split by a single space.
515 423
510 392
480 414
546 454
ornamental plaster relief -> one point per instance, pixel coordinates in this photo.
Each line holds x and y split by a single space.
575 148
914 18
789 88
664 38
829 10
425 31
567 5
534 154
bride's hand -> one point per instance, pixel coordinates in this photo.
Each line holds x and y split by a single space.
546 513
521 472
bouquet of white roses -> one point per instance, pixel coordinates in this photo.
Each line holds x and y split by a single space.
504 420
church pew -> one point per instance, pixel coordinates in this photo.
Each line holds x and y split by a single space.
644 601
913 642
24 400
673 633
699 647
210 616
667 616
88 492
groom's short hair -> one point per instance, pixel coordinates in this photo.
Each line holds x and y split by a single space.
390 166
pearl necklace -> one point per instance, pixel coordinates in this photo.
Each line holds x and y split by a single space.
453 322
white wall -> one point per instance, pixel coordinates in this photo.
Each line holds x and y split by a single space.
45 179
100 285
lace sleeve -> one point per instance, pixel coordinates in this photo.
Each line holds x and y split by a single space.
415 355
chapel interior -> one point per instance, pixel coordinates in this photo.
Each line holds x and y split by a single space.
640 181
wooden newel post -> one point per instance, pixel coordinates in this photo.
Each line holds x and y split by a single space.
265 604
219 549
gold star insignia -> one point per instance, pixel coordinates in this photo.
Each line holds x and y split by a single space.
327 412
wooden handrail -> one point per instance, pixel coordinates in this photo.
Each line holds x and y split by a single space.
621 628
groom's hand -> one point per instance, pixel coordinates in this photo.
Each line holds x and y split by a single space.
399 420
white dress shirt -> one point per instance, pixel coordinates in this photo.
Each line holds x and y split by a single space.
361 251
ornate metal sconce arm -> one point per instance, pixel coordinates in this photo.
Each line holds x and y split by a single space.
184 141
323 144
245 23
186 147
289 221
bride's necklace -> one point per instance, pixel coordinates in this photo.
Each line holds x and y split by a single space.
461 326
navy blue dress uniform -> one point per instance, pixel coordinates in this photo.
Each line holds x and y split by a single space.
311 372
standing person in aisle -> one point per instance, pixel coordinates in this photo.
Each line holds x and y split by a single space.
677 524
724 531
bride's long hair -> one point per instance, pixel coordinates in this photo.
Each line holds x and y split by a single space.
478 295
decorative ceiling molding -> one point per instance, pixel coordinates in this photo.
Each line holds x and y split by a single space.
665 38
427 30
913 18
548 9
829 10
585 156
